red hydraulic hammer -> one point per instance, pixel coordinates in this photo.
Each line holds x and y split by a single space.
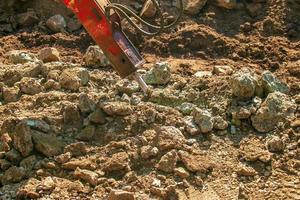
102 21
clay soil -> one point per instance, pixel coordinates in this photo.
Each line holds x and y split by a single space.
267 38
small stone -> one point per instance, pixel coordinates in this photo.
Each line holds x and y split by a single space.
222 70
71 115
127 87
276 108
160 74
192 7
241 113
120 194
203 119
22 139
148 151
46 185
148 10
87 133
186 108
85 104
169 137
94 57
21 57
28 163
48 145
28 190
198 181
244 170
228 4
77 148
63 158
196 163
190 126
117 108
13 156
98 116
275 144
30 86
118 161
181 172
56 23
10 94
87 175
220 123
28 18
272 84
73 78
168 162
244 84
49 54
201 74
4 164
13 175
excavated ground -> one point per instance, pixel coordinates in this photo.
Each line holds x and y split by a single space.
72 131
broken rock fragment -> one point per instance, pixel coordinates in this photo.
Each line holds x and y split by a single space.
120 194
273 84
196 163
160 74
47 144
21 57
118 161
94 57
49 54
277 107
117 108
13 175
56 23
86 175
23 139
30 86
192 7
203 119
168 162
169 137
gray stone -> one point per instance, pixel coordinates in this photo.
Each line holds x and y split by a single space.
48 145
21 57
10 94
13 175
56 23
13 156
98 116
28 18
220 123
277 107
127 87
272 84
203 119
186 108
94 57
87 133
160 74
28 163
85 105
169 137
244 84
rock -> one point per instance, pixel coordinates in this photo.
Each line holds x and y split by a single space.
28 18
275 144
63 158
190 126
186 108
196 163
85 104
98 116
244 170
244 84
74 25
46 185
56 23
77 149
13 175
94 57
4 164
169 137
272 84
181 172
30 86
222 70
23 139
28 190
277 107
228 4
87 133
166 97
49 54
117 108
192 7
203 119
72 79
10 94
148 10
220 123
160 74
127 87
86 175
148 151
21 57
118 161
48 145
168 162
240 113
71 115
120 194
38 124
13 156
85 163
28 163
201 74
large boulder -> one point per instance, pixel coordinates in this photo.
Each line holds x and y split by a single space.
276 108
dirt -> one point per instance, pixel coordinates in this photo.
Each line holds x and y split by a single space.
102 139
